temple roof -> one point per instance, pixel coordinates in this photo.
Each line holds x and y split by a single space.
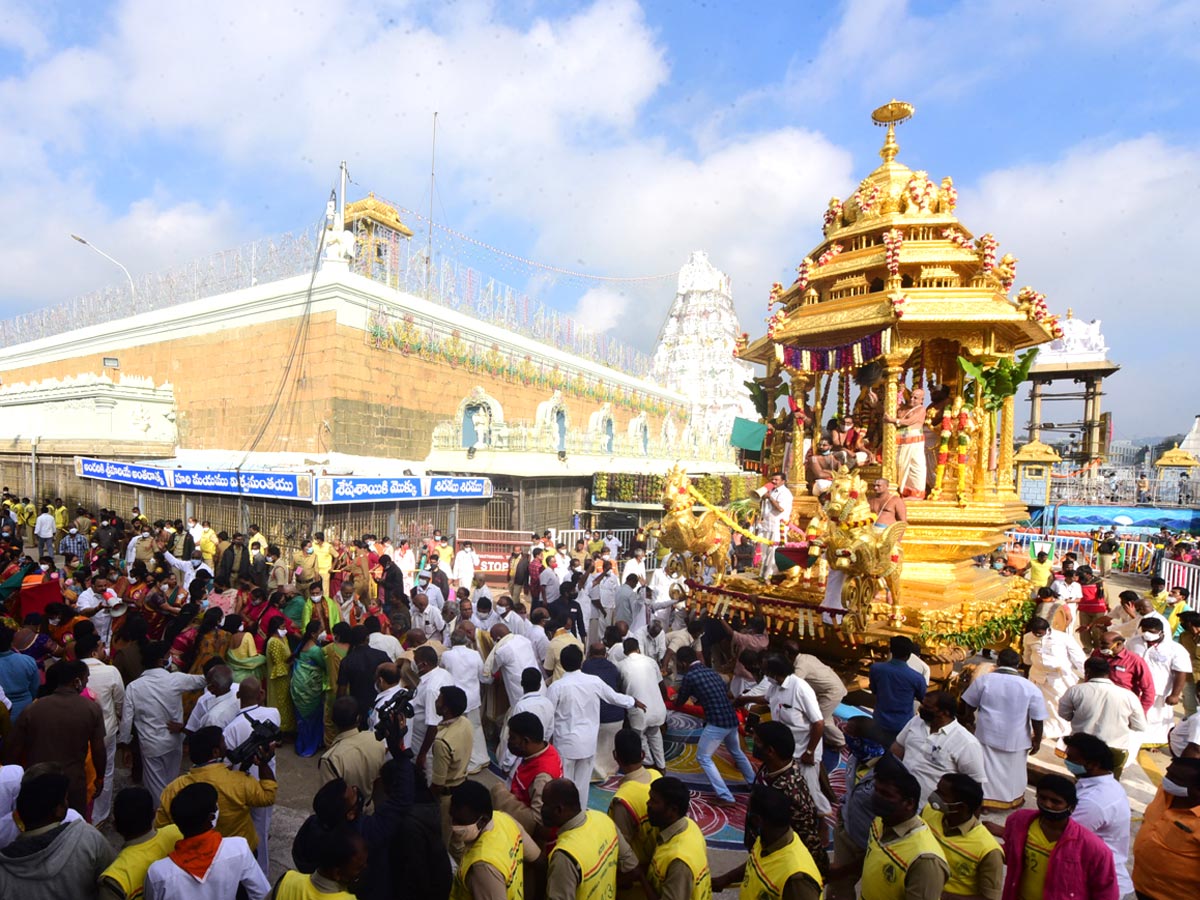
1175 458
376 210
1037 452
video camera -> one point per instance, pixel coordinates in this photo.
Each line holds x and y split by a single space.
262 736
401 702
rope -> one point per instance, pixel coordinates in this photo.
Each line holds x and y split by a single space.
724 517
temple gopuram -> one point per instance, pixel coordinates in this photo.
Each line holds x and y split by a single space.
906 320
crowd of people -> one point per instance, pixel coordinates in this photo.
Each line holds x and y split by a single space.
399 669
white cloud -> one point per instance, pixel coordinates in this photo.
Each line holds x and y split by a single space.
600 309
1110 231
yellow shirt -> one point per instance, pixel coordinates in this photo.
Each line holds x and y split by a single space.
296 886
323 555
593 846
1039 573
634 797
236 793
1037 858
128 870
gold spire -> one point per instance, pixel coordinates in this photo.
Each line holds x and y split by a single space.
891 114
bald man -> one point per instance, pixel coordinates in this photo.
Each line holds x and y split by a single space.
612 718
250 697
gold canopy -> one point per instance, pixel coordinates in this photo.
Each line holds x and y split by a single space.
1176 459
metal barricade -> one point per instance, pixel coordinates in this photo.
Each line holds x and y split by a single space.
1185 575
1063 544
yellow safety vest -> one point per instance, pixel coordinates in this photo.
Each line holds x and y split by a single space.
635 796
593 846
128 870
60 518
886 865
297 886
688 846
500 846
766 875
963 852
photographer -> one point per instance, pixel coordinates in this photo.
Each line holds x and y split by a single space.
238 792
254 715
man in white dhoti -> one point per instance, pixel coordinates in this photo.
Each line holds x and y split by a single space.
910 445
641 678
1009 713
1055 663
1170 667
154 706
774 510
792 702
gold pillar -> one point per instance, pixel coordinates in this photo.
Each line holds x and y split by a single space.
890 403
1004 468
797 482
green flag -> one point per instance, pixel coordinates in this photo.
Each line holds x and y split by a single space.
748 435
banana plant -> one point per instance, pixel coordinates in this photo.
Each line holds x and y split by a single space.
989 386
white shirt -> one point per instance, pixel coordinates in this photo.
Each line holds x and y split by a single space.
407 562
465 563
576 697
551 585
105 682
153 700
542 707
929 755
771 518
794 704
1103 809
434 593
640 679
1053 655
1186 732
232 865
540 640
609 585
919 666
1104 709
1006 703
653 647
634 566
197 532
1071 593
424 699
44 526
430 621
613 545
381 700
511 656
466 666
388 644
240 726
102 620
10 786
1164 659
220 711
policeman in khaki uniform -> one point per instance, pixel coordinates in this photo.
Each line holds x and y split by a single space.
588 852
679 867
492 866
904 859
779 866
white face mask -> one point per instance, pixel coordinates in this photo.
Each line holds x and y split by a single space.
282 632
104 524
1173 788
317 598
216 815
44 567
468 834
1151 637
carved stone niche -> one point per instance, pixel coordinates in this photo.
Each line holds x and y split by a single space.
849 286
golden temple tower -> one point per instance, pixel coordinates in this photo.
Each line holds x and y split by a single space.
380 236
890 299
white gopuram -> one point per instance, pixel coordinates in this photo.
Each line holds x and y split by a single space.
695 352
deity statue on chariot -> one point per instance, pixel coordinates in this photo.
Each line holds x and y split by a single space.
892 364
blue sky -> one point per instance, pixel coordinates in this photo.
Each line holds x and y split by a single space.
616 137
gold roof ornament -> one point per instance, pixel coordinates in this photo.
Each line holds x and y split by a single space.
1037 452
371 209
1176 458
891 114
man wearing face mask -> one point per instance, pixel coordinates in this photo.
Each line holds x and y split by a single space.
904 861
1170 668
60 728
1049 855
496 847
1167 848
975 859
935 744
794 703
779 864
775 748
1103 807
107 535
1127 670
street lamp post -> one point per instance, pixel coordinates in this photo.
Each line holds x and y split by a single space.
86 243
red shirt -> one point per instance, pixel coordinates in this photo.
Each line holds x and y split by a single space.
1093 600
1131 672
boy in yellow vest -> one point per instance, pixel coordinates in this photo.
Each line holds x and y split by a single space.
779 864
901 849
133 819
588 852
974 856
679 868
496 846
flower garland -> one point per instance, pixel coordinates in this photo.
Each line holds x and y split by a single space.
921 191
775 322
957 238
832 215
898 301
724 516
1034 303
951 193
776 295
827 257
893 240
987 633
803 271
964 451
943 452
826 359
987 245
866 197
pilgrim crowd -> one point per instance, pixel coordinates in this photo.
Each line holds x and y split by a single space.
191 656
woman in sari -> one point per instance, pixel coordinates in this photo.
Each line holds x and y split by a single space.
335 651
341 562
308 692
180 636
156 607
243 655
211 640
279 656
256 608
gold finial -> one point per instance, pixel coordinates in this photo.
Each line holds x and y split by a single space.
1070 313
891 114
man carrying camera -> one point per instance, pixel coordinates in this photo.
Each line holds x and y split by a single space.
238 791
255 719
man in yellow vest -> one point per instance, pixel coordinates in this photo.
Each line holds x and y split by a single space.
588 852
496 847
628 807
779 864
903 857
974 856
342 859
679 867
133 819
60 519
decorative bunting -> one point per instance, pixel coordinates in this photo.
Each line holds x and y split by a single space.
831 359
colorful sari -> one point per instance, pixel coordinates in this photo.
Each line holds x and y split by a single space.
256 616
308 699
245 660
278 693
334 654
